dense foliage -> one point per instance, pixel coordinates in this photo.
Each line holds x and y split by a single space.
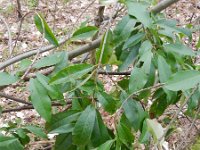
163 73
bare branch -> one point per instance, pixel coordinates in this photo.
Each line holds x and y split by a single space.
84 49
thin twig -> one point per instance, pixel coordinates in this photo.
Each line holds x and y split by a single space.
14 99
38 52
9 37
176 114
189 129
27 107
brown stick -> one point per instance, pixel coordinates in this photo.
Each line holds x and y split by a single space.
84 49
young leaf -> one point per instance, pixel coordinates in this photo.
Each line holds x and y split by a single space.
137 80
84 33
180 49
139 10
183 80
10 143
107 101
37 131
71 73
40 99
6 79
43 27
84 126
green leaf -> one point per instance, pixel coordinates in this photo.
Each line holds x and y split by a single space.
180 49
137 80
49 60
145 47
145 135
169 28
10 143
155 129
124 134
106 146
84 33
139 10
100 133
133 40
163 69
6 79
128 57
71 73
62 122
107 101
43 27
123 29
40 99
133 111
106 49
84 126
64 142
52 90
183 80
37 131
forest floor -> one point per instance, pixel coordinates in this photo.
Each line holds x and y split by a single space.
64 16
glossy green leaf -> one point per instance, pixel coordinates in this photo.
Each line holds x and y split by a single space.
43 27
106 146
123 29
71 73
133 40
163 69
10 143
6 79
139 10
49 60
108 102
180 49
84 126
137 80
183 80
84 33
40 99
37 131
100 133
62 122
133 111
